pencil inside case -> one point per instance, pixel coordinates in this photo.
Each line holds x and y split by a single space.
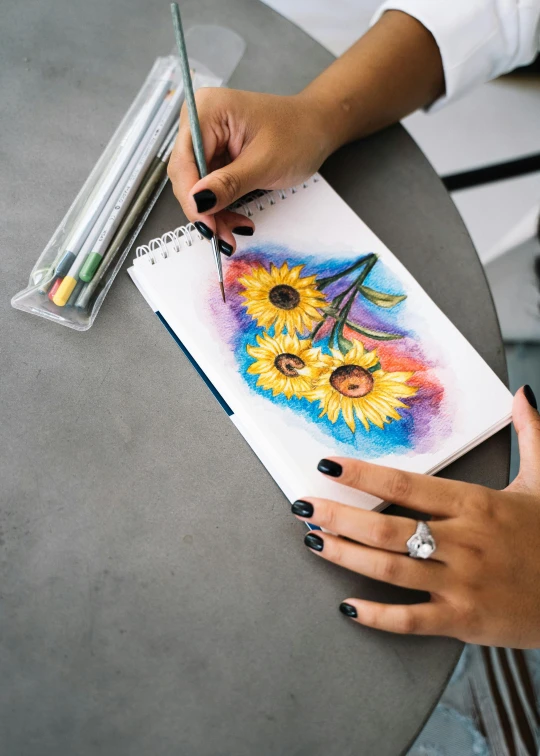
75 271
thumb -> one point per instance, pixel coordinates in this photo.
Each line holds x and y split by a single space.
527 424
222 187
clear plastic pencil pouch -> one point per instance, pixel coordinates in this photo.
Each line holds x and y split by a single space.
76 269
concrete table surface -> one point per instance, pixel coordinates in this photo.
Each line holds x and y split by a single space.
156 597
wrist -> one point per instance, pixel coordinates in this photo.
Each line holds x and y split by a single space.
321 118
331 116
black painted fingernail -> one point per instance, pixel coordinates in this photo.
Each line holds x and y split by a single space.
348 610
314 542
203 229
328 467
225 248
205 200
243 231
529 396
302 508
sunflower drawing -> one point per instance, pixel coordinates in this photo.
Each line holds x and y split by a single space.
282 298
285 364
354 384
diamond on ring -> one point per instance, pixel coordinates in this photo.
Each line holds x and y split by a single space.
421 545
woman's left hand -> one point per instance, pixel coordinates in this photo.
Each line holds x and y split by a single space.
484 576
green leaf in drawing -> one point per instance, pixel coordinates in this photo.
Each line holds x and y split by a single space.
370 333
344 344
380 299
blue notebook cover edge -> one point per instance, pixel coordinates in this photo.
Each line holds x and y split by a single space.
208 382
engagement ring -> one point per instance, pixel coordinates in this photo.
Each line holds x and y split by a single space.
421 545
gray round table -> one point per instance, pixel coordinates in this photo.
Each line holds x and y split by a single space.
156 597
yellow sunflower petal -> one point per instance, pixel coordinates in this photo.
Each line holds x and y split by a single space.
372 414
282 274
334 406
307 282
294 274
369 359
397 377
257 288
385 409
288 389
377 407
338 358
359 412
271 378
348 414
399 389
354 354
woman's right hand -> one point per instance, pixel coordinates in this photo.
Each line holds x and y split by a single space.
251 141
262 141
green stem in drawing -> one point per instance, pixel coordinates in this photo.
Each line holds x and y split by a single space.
318 328
340 313
331 311
322 283
371 333
344 344
365 273
337 300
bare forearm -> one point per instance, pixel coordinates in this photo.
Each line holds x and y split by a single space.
275 141
393 70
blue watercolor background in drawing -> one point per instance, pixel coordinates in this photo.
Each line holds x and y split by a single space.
393 438
396 437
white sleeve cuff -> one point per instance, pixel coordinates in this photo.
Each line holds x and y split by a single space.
478 39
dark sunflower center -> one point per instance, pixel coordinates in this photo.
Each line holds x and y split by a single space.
284 297
289 364
352 380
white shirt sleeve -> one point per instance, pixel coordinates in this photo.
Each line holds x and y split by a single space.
478 39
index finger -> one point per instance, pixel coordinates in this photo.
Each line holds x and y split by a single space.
182 169
376 529
423 493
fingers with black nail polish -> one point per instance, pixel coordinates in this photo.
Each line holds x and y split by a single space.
302 508
243 231
314 542
329 467
225 248
203 229
529 396
207 232
205 200
348 610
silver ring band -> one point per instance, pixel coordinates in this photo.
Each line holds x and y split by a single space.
421 544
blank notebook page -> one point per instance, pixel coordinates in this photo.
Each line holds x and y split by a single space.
326 346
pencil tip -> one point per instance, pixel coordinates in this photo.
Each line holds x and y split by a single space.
222 291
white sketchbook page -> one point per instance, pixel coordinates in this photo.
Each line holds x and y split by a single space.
316 225
256 440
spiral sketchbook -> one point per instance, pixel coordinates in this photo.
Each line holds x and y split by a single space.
326 345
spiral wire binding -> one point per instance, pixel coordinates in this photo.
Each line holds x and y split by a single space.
253 202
